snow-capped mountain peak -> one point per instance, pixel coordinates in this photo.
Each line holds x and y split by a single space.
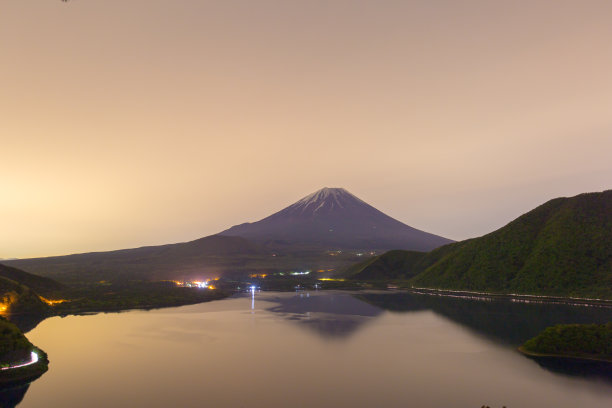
324 199
335 218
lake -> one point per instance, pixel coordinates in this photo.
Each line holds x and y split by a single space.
316 349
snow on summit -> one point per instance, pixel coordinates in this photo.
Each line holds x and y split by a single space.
330 197
335 218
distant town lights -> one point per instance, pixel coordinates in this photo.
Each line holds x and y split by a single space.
195 284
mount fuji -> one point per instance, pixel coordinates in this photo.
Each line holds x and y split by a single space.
329 219
333 218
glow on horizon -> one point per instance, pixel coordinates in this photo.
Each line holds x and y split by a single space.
183 120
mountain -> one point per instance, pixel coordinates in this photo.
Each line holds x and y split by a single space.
19 296
561 248
44 286
294 238
199 258
333 218
392 265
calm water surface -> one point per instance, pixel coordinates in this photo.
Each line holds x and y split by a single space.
318 349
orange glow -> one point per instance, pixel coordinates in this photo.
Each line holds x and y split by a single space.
211 287
52 302
6 302
260 275
331 279
508 101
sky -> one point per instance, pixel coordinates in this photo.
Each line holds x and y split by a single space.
141 122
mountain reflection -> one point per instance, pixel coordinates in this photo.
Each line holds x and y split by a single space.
331 315
26 321
11 397
506 322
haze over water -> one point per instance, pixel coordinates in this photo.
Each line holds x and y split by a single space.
324 349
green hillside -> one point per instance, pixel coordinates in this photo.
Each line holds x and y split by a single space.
590 341
561 248
12 342
16 349
16 299
392 265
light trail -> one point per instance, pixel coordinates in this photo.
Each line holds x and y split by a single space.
34 360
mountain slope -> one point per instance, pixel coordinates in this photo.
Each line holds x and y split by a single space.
333 218
42 285
198 258
392 265
18 297
563 247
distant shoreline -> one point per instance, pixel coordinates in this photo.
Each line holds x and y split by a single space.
465 294
586 357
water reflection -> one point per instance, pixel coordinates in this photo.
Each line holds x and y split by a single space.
576 368
506 322
502 321
325 349
10 397
26 321
331 315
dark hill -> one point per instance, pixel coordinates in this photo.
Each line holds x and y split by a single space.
561 248
39 284
333 218
392 265
17 299
199 258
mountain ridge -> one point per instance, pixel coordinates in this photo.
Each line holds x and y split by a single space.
560 248
330 218
185 259
333 218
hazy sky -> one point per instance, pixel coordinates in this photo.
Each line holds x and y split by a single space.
135 122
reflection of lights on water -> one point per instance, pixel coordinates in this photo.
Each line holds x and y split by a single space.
253 297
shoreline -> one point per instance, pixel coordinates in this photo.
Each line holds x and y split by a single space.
585 358
514 297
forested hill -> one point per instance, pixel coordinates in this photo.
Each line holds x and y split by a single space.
40 284
561 248
396 264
